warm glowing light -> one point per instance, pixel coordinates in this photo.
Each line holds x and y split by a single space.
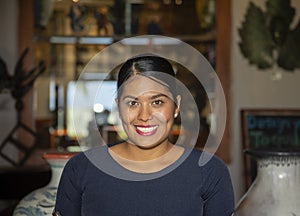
178 2
98 108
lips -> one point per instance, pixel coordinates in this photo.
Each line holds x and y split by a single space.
146 130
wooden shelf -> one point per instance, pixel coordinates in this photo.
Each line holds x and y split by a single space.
207 37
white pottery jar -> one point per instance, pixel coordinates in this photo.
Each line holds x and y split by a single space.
276 188
41 202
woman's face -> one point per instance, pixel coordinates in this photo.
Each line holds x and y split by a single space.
147 111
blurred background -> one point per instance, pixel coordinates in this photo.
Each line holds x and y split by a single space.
65 35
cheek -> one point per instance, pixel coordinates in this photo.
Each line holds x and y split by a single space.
164 115
126 114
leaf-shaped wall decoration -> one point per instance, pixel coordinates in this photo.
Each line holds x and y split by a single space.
289 55
281 8
267 38
256 43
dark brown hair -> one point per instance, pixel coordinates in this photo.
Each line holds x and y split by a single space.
152 66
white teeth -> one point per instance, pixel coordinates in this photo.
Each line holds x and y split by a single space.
146 129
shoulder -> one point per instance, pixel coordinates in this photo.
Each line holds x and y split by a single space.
206 160
75 165
212 170
82 159
206 165
79 158
81 165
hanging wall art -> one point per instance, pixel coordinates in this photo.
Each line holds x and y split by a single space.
270 37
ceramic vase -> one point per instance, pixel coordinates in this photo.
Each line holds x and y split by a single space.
41 202
276 188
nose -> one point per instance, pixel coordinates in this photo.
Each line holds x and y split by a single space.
144 113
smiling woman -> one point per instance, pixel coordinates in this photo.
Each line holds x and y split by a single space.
147 112
146 174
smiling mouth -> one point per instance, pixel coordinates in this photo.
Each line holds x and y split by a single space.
146 130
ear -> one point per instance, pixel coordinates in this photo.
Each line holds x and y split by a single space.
117 102
177 109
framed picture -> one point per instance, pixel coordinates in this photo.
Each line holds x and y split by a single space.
268 130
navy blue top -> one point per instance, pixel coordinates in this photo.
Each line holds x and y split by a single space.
89 186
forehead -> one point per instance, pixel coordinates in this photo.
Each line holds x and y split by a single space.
140 85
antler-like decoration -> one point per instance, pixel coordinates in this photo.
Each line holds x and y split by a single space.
24 80
19 84
6 79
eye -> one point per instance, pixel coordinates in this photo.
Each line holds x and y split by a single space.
132 103
157 102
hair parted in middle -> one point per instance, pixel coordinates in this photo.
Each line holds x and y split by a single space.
152 66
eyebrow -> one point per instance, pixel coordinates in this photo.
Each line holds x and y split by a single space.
152 97
159 95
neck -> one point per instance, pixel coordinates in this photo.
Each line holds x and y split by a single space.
136 153
145 160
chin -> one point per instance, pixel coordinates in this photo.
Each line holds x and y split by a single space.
145 145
